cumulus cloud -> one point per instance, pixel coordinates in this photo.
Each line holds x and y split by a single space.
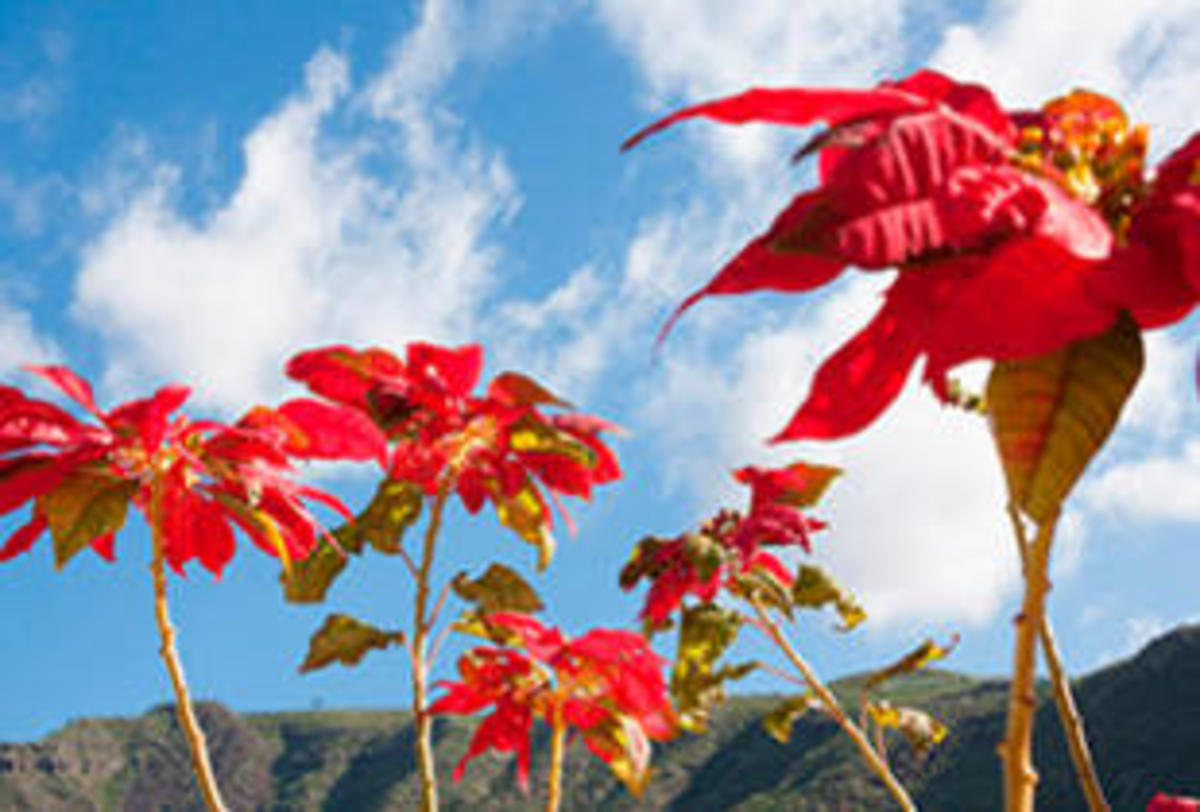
363 215
1147 54
20 342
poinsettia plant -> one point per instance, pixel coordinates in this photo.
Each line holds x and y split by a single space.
194 481
435 438
738 569
606 685
1037 239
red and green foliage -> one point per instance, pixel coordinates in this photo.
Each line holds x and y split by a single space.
1014 233
606 685
430 430
728 549
196 479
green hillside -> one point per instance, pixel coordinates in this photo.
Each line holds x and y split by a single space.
1143 716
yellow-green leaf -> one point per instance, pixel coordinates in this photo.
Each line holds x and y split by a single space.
813 589
526 515
499 589
394 508
529 434
910 663
760 584
706 632
623 745
86 505
780 720
1050 415
919 729
346 640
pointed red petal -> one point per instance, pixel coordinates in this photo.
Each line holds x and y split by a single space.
70 384
764 265
457 368
334 432
23 539
861 379
791 106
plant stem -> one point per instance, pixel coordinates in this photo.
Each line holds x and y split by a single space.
166 632
1068 714
558 740
873 759
1020 777
422 719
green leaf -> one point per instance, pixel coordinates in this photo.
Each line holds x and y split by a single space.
499 589
779 721
526 515
529 434
1050 415
919 729
346 640
642 562
706 632
813 589
87 504
312 576
910 663
760 584
705 553
395 507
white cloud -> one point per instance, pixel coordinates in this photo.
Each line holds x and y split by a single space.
698 50
918 527
316 244
1159 488
1145 54
20 343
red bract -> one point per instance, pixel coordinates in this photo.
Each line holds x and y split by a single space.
192 479
729 545
497 447
1172 803
607 685
1013 233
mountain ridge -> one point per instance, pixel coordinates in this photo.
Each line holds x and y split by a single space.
1143 717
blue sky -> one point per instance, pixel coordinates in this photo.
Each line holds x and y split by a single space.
194 192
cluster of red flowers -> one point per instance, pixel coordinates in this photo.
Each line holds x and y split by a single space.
607 685
1014 233
430 429
730 544
195 480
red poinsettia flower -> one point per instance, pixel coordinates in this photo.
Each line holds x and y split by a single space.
730 544
1172 803
499 446
1013 233
195 480
607 685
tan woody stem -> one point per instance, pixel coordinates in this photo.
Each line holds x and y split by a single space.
183 703
829 702
418 651
1020 777
558 740
1068 714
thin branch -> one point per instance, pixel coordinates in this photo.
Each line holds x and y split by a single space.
197 746
1068 713
1020 777
877 765
420 662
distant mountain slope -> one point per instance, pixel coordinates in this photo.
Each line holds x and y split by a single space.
1143 718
